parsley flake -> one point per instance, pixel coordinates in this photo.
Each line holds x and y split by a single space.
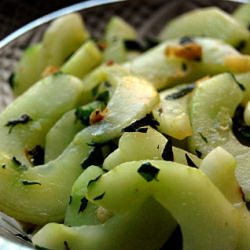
167 153
99 197
148 171
181 92
84 203
23 119
190 161
66 245
203 137
28 183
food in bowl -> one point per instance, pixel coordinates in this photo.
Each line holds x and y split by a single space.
114 143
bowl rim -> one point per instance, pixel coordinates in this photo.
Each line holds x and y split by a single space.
51 16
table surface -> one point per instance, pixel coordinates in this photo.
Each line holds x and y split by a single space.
16 13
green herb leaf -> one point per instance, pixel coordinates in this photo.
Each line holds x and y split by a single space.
66 245
23 119
148 171
167 153
181 92
36 155
84 203
18 164
95 157
203 137
99 197
28 183
190 163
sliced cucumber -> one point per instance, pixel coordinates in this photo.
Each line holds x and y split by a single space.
116 32
172 112
72 122
64 36
241 14
142 146
164 70
211 112
132 99
210 22
86 58
29 69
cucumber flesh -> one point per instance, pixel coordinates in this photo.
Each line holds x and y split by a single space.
209 22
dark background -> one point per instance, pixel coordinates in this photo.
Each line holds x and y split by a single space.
16 13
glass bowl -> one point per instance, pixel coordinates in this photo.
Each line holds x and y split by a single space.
146 15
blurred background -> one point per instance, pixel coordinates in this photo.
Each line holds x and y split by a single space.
16 13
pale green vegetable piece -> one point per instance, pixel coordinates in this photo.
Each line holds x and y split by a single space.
172 112
241 14
142 146
220 166
244 79
64 36
57 140
187 193
28 70
116 32
212 123
79 211
132 99
163 70
86 58
145 226
210 22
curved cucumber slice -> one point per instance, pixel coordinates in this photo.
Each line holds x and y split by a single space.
71 30
141 146
172 112
183 191
87 57
209 22
29 69
31 197
211 111
163 70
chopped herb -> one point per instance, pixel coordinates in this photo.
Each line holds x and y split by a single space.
84 203
36 155
70 199
23 119
94 91
240 129
134 45
95 157
41 248
190 162
11 80
103 96
203 137
28 183
185 40
94 180
24 237
66 245
184 66
198 153
82 114
18 164
181 92
148 120
242 87
148 171
241 45
99 197
167 153
3 166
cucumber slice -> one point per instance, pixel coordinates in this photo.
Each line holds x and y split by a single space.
241 14
172 112
210 22
244 80
247 114
29 69
72 122
139 146
116 32
64 36
163 70
31 197
211 112
86 58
